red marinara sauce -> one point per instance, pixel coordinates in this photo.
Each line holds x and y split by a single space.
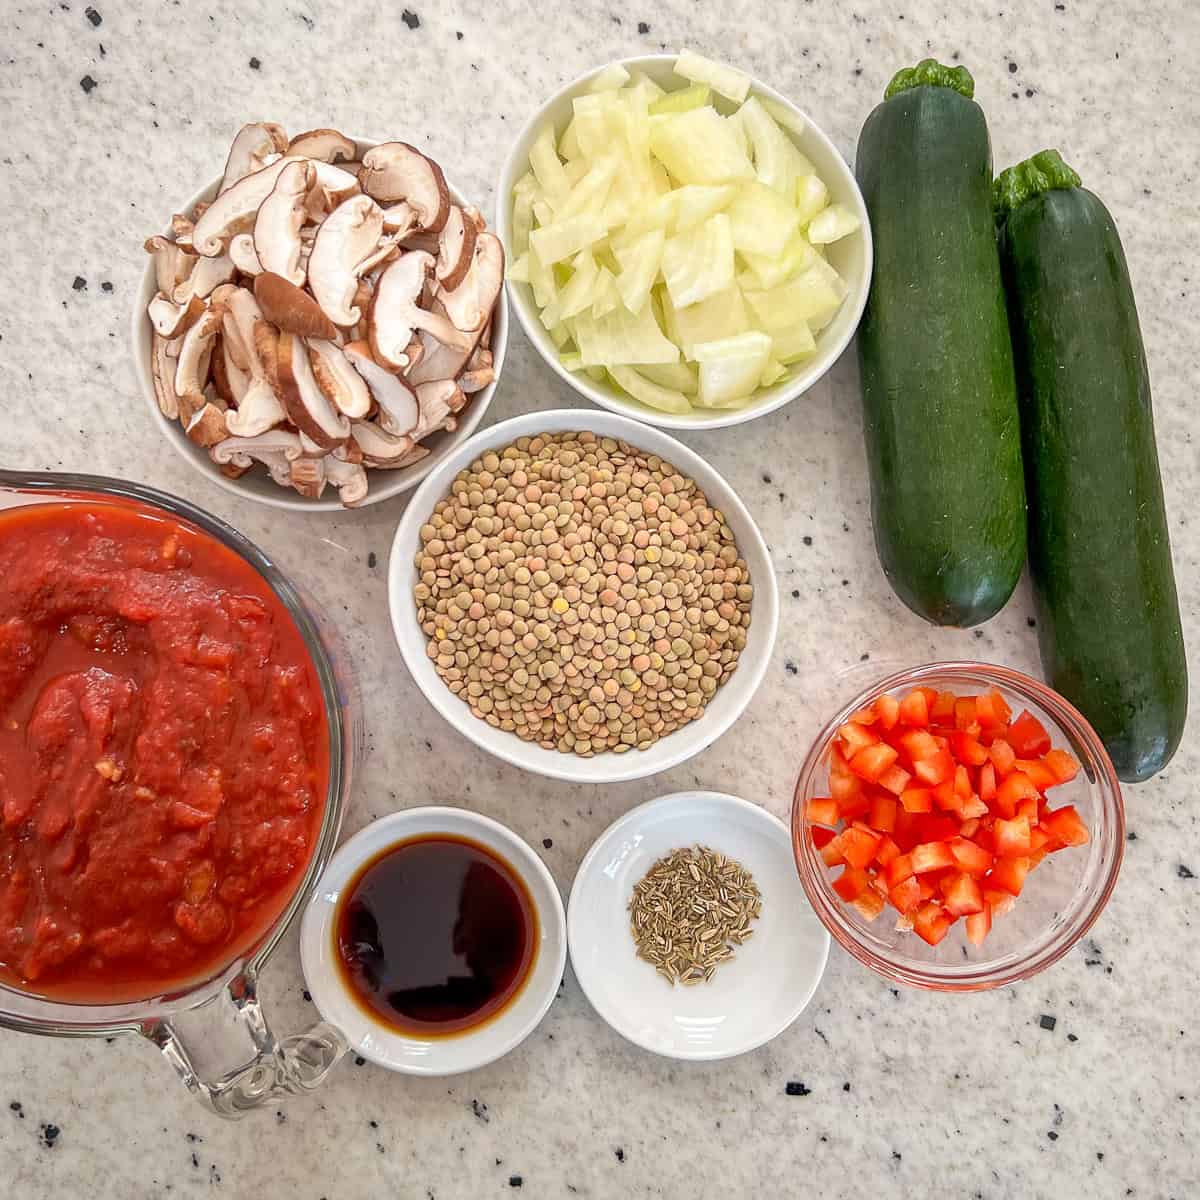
164 752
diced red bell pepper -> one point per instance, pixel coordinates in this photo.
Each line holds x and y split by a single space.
887 851
1028 808
822 810
972 807
992 711
987 782
1028 736
968 749
898 870
962 895
1003 756
918 744
854 805
855 738
887 711
1061 765
905 833
906 895
864 715
931 856
1008 874
936 768
883 812
969 856
964 712
931 923
1012 837
851 883
916 800
979 925
1042 777
831 852
1065 826
895 779
1011 790
945 797
821 837
858 845
968 828
935 827
942 712
870 904
928 884
871 761
843 785
999 902
962 782
1041 838
914 710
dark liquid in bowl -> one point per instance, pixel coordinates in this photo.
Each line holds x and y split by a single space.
436 935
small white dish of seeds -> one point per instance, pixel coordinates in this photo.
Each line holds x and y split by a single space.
713 874
582 596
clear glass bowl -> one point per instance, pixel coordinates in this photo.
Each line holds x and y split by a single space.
192 1024
1062 897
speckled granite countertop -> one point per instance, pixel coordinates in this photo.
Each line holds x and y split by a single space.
112 111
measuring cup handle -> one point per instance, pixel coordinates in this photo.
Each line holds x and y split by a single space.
200 1043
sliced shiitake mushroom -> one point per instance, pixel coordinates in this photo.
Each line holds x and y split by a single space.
307 407
291 308
456 249
346 240
328 145
395 171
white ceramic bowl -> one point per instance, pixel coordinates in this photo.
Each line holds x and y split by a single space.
256 484
731 698
443 1055
852 256
751 998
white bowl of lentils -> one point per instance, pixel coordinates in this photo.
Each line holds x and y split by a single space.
649 550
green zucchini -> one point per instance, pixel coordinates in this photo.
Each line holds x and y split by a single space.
939 395
1099 554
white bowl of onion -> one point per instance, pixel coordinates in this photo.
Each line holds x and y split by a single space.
257 484
716 300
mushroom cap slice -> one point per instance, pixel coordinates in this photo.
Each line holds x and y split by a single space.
243 254
395 171
337 181
336 377
476 379
350 479
307 407
277 225
470 304
162 369
172 263
379 447
191 372
456 249
397 402
207 426
276 449
438 400
252 146
327 145
248 337
346 237
396 313
234 211
291 308
308 477
171 320
205 276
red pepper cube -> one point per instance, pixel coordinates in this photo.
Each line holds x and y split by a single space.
1008 874
936 827
968 827
883 812
918 744
905 833
851 883
1028 736
821 837
987 782
871 761
972 808
854 805
964 712
858 845
1028 809
844 785
935 769
942 712
931 856
1066 826
914 710
869 904
979 925
1012 837
962 782
895 779
931 923
998 902
855 738
822 810
1003 756
968 749
1011 790
971 857
1061 765
886 852
944 796
887 711
831 852
906 895
963 896
898 870
916 800
992 711
863 716
1037 771
1041 838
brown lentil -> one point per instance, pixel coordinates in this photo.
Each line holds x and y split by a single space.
581 593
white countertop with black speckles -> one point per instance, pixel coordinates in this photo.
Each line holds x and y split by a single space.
111 112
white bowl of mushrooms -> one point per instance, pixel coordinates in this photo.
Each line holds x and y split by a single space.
321 326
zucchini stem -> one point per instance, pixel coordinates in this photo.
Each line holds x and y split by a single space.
1042 172
930 72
